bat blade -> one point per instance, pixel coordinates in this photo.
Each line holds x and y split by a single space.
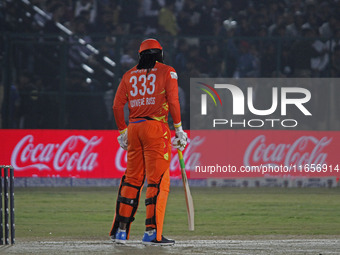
188 197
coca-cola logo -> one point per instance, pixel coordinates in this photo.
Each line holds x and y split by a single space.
304 150
74 153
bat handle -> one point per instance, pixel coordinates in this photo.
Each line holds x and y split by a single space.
181 160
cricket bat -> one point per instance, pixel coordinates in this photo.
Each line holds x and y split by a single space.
188 197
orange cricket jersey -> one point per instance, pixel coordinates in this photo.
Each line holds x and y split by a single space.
149 94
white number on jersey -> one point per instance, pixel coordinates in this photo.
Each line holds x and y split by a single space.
149 88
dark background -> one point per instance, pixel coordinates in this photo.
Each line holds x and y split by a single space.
61 60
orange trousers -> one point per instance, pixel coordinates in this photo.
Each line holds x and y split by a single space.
149 154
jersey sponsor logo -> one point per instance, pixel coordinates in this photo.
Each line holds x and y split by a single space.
142 70
173 75
138 71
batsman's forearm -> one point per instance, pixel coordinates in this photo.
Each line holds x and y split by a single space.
119 117
175 111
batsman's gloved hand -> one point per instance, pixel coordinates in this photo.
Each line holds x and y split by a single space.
181 139
123 139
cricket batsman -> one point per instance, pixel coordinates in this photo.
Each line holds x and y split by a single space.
151 91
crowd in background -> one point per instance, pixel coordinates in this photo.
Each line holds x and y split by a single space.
213 38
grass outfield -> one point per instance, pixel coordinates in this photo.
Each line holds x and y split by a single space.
86 213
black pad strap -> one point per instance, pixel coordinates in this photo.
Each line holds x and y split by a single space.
127 201
153 185
150 221
130 185
125 219
151 201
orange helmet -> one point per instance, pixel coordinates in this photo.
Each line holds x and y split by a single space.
149 44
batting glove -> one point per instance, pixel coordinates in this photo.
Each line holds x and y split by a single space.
181 139
123 139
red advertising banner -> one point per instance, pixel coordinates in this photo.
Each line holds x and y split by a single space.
67 153
264 153
210 154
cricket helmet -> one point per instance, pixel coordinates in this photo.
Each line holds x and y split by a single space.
149 44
